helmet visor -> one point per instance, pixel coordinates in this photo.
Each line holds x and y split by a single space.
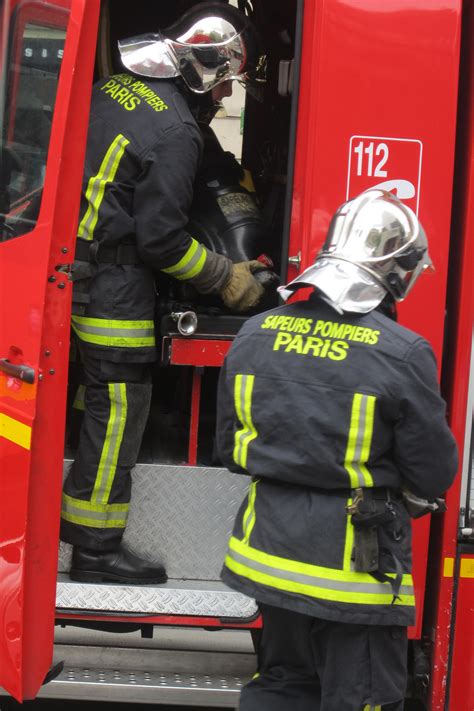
207 46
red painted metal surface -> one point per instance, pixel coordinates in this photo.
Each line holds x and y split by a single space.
460 331
35 319
461 687
373 75
194 417
174 620
198 351
381 74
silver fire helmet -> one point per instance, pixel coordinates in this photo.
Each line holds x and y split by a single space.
375 244
211 43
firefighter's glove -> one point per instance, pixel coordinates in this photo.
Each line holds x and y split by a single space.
242 291
417 507
213 275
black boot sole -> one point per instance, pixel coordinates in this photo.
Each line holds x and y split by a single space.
95 576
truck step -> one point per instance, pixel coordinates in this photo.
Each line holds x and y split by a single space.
176 666
202 598
148 687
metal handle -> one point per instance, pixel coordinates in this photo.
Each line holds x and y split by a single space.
23 372
295 261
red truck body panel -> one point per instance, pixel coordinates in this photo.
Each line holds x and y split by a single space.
377 106
35 331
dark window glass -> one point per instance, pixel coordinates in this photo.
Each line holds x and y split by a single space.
36 46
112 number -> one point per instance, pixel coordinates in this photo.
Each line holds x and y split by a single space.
365 158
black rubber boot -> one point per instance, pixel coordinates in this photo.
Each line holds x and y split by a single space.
117 566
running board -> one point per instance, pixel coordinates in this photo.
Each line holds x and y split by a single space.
145 687
177 666
201 598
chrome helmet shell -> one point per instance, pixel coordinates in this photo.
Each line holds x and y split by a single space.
211 43
375 245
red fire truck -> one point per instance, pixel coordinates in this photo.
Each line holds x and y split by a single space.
359 93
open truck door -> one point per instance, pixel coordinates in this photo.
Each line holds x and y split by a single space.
46 77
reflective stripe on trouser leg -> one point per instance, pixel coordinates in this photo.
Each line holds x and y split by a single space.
97 490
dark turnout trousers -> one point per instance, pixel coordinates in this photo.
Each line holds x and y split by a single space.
309 664
97 489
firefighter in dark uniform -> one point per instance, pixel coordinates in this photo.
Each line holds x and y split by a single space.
334 411
144 149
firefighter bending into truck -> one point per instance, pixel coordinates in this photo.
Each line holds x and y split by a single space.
334 410
143 152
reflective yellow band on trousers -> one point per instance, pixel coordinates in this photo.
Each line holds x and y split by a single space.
360 440
313 580
243 387
96 186
191 264
15 431
119 334
112 443
98 513
94 515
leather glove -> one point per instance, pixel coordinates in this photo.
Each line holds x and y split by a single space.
242 291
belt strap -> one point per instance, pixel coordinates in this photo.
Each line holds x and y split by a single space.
98 253
382 493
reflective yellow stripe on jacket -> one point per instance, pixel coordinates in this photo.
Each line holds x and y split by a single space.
108 332
313 580
190 265
360 440
249 518
243 388
97 183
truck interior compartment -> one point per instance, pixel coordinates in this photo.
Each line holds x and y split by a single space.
261 136
183 502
